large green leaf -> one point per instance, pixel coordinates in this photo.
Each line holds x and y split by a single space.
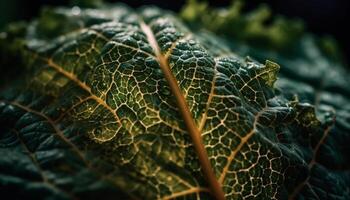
95 114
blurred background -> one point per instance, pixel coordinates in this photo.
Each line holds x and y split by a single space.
322 17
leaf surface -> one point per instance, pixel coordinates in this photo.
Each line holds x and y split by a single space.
95 115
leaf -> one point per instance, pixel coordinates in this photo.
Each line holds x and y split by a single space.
112 101
319 78
256 27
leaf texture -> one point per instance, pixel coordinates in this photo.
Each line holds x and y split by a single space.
312 74
94 116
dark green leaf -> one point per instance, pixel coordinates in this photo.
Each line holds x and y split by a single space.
95 116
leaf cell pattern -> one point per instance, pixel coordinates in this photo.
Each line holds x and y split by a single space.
95 116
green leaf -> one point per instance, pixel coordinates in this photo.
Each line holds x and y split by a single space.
117 103
319 80
256 27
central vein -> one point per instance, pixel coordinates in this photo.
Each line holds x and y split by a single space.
193 130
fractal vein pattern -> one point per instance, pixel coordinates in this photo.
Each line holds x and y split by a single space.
113 102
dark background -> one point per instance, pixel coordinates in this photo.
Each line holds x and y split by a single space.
322 17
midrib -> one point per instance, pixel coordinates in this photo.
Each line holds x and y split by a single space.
191 126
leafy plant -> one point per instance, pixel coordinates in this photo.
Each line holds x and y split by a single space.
117 103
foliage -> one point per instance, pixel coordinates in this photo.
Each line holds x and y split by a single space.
92 115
